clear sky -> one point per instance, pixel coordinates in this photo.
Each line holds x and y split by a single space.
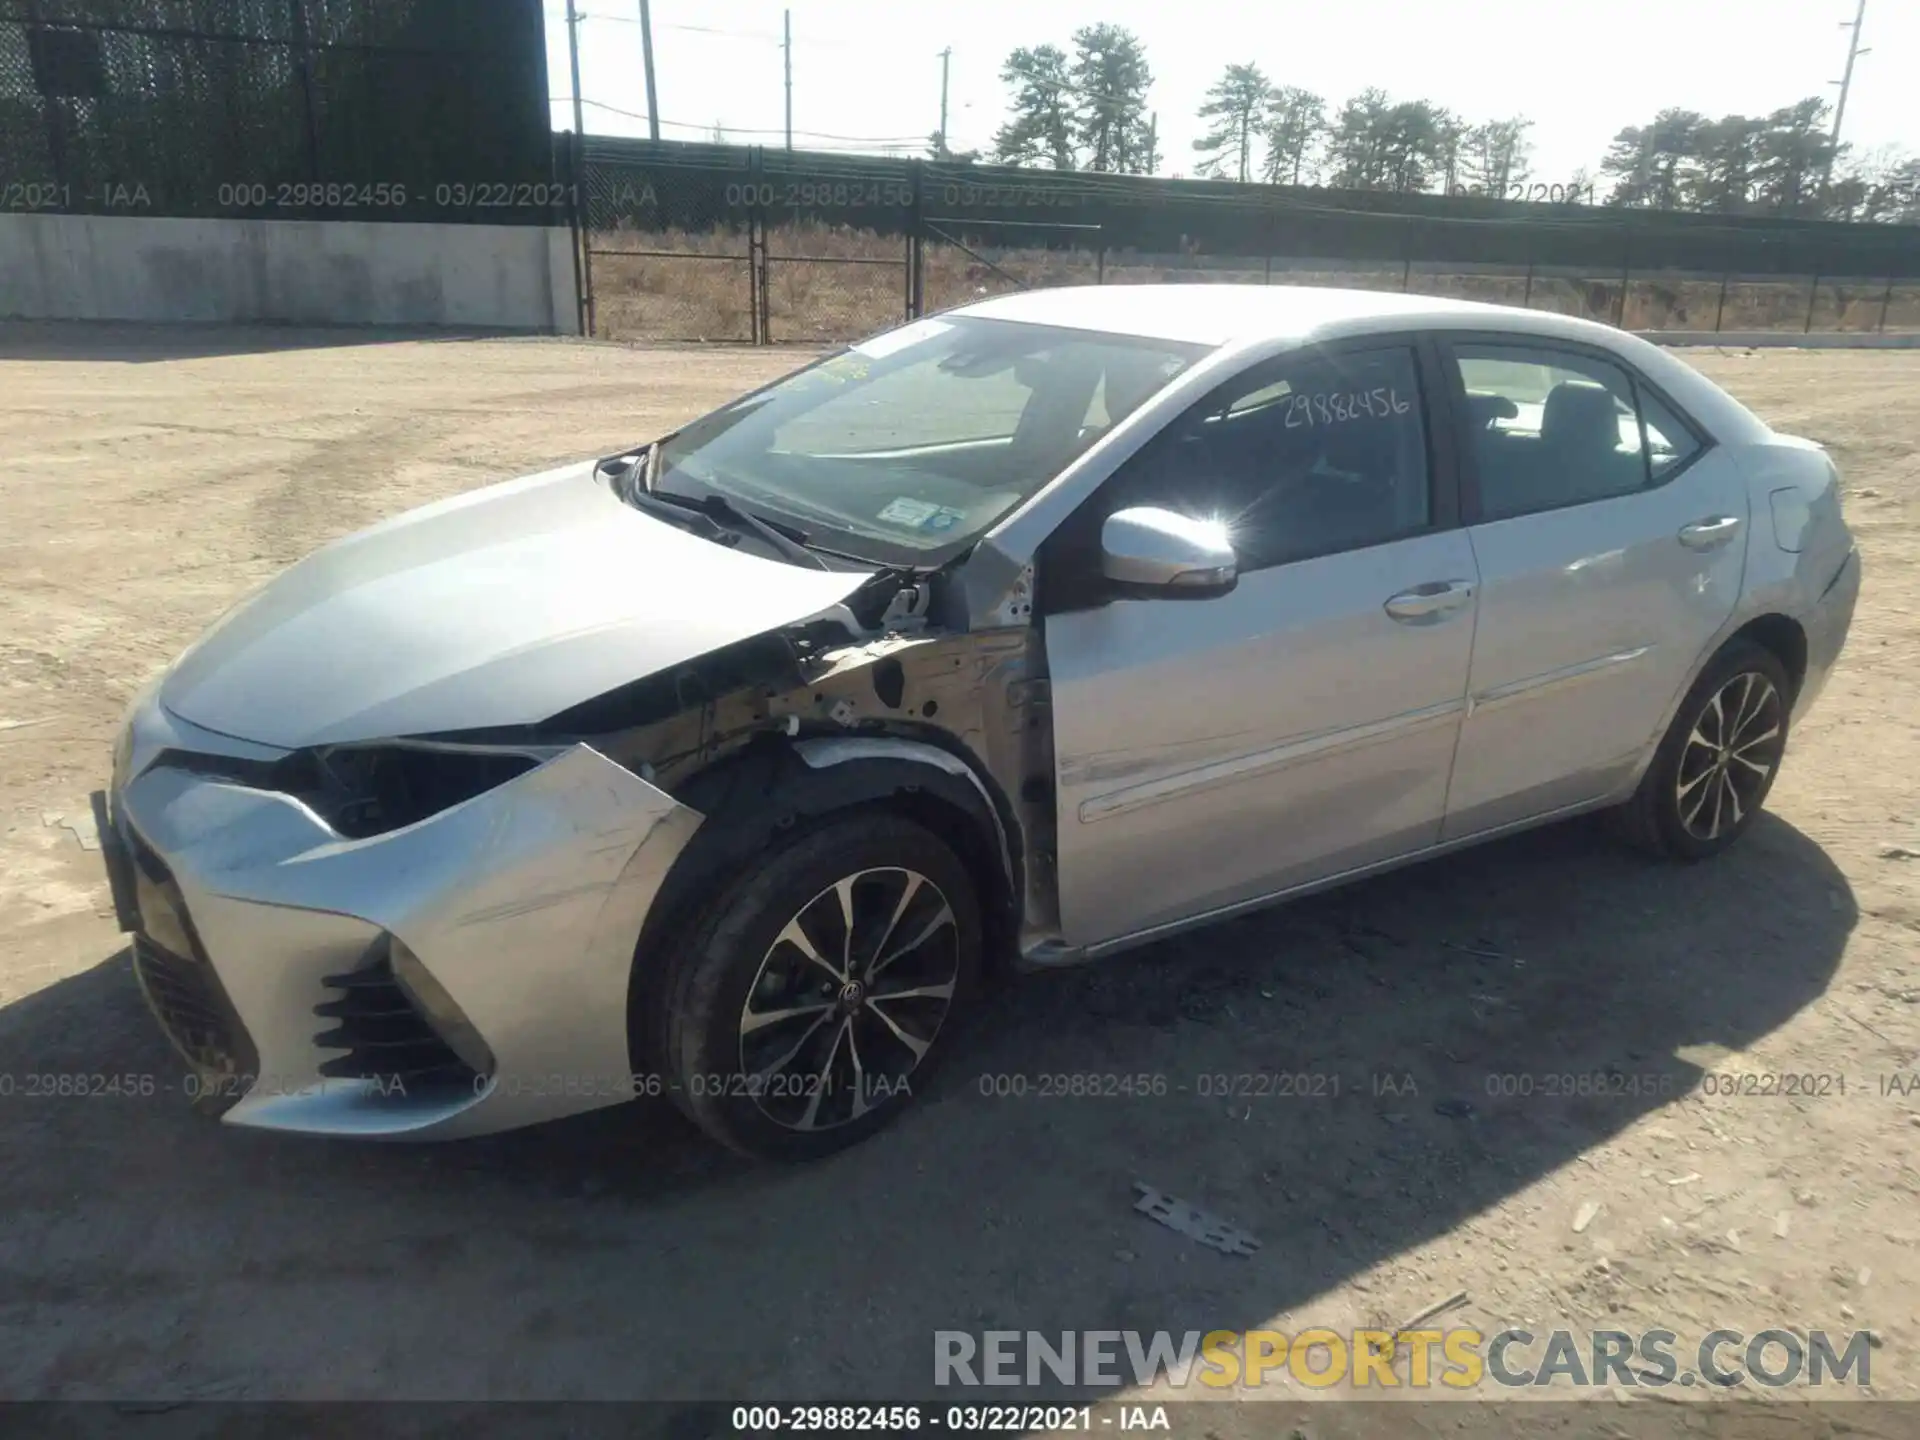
867 71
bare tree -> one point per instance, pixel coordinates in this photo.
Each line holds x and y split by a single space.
1881 185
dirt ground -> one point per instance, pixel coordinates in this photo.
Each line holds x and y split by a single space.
149 477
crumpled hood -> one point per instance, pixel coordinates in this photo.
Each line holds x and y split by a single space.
499 607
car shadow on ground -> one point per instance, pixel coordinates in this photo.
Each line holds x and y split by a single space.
1345 1077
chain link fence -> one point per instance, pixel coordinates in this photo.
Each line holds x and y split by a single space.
670 244
314 109
839 240
763 245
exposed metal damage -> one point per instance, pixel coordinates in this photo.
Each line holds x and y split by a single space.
875 667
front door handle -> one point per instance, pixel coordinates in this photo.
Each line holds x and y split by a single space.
1711 533
1435 600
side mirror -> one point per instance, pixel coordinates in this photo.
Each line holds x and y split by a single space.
1173 556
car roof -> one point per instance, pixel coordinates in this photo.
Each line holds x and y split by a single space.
1223 314
1255 316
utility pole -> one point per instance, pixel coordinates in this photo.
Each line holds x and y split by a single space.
573 62
646 54
946 141
787 45
1854 52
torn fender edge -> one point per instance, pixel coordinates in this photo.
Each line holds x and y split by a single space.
838 750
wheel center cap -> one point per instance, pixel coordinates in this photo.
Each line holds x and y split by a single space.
851 994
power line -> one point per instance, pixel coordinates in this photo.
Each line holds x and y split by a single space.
694 29
749 129
766 36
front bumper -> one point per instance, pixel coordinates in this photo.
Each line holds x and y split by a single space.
265 941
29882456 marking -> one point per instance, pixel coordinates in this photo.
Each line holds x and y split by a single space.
1077 1086
67 1085
791 1418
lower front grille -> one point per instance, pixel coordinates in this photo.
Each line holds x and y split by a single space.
191 1008
180 985
384 1036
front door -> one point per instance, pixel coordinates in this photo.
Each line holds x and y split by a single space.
1213 751
1611 543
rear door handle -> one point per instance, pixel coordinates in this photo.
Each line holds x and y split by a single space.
1435 600
1711 533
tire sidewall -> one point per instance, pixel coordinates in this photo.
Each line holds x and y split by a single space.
724 956
1735 660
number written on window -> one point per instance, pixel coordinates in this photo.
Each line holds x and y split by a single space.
1338 407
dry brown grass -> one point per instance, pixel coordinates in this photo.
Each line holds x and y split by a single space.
830 284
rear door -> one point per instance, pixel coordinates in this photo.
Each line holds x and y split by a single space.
1610 540
1213 751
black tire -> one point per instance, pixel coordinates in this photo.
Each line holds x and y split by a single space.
736 951
1671 814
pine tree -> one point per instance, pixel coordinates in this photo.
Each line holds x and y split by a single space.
1110 84
1237 106
1293 128
1041 129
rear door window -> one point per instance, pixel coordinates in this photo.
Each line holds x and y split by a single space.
1549 428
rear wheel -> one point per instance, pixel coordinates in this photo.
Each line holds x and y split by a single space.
814 994
1717 761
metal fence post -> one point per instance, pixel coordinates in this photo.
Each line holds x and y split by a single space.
1100 265
577 236
906 254
1526 296
1886 300
1720 310
1626 274
584 201
1813 299
759 276
1406 272
916 224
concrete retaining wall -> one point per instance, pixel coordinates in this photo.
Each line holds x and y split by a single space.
332 272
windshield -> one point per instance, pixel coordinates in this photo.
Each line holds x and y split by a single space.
903 449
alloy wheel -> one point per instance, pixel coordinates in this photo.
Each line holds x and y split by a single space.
849 998
1729 756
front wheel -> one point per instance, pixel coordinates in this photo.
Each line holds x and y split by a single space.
1717 761
814 993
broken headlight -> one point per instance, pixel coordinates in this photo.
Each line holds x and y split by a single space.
363 790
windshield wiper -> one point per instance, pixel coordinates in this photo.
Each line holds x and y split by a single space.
717 507
673 513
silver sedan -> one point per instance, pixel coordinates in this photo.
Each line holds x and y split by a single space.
725 767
